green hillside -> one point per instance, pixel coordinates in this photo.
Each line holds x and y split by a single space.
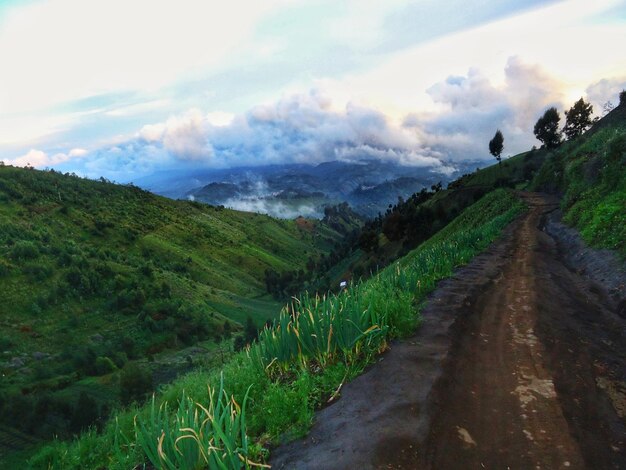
316 344
590 172
94 274
109 273
412 221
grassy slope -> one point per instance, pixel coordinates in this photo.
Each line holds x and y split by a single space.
80 258
285 394
516 171
590 172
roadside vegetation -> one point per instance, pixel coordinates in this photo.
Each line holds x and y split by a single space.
272 389
590 172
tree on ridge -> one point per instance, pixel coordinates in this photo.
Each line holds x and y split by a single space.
547 128
496 145
578 119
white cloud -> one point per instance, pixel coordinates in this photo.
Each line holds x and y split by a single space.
472 107
20 128
220 118
572 49
139 108
185 136
152 132
61 50
38 158
384 96
77 153
605 90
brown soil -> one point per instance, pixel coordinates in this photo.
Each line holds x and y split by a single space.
519 363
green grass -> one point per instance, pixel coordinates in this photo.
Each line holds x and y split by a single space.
594 203
515 171
91 269
290 372
590 172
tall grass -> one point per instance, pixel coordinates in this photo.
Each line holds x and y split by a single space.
316 344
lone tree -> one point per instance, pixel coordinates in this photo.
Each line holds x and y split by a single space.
496 145
578 119
547 128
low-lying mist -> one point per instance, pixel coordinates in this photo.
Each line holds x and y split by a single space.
274 207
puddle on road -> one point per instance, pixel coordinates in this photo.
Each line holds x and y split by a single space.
465 436
535 387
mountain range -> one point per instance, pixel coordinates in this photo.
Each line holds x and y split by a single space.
290 190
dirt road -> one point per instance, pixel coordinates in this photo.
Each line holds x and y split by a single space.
520 363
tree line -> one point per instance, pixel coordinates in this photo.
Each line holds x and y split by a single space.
547 128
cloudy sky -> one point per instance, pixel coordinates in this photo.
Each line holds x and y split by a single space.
121 88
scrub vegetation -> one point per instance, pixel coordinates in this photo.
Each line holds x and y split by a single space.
102 284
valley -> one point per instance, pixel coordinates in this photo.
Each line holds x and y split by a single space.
98 279
287 191
312 235
113 292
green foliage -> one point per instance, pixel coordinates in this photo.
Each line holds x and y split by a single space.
135 383
496 145
321 331
104 365
287 408
591 174
596 190
6 342
85 413
24 250
199 437
82 259
250 331
547 128
308 372
578 119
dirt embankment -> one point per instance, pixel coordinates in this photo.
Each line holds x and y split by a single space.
520 363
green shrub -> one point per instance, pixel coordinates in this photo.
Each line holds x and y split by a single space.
24 250
104 365
5 268
6 343
135 382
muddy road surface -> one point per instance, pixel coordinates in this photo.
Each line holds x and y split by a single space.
520 363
